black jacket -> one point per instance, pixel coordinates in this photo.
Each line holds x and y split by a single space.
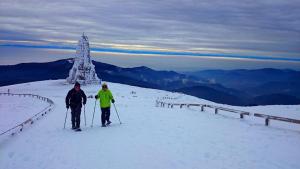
74 98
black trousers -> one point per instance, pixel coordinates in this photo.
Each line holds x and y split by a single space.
105 114
75 112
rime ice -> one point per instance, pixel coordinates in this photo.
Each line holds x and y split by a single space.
83 70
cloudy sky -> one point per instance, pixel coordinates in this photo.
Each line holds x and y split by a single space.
162 34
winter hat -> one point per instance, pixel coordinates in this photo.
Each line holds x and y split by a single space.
77 84
104 85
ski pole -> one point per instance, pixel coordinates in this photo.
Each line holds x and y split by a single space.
94 113
117 113
84 116
66 118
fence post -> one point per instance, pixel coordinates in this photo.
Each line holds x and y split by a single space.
216 111
21 126
241 116
21 129
202 108
267 122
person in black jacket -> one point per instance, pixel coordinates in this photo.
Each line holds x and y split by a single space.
74 100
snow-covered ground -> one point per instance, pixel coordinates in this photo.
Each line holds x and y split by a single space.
150 137
288 111
15 110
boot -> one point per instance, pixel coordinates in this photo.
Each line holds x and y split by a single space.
73 125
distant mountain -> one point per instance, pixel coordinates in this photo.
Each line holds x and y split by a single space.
28 72
230 91
167 80
243 79
138 76
291 88
221 95
262 84
212 94
236 87
275 99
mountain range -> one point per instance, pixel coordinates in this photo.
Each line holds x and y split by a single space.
234 87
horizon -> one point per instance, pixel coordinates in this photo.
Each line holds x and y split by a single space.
191 71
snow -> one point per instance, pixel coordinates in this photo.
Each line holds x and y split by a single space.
15 110
150 136
83 69
288 111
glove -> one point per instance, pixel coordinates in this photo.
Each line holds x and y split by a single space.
113 100
84 103
96 97
67 106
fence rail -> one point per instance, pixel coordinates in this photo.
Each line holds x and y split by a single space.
217 108
20 126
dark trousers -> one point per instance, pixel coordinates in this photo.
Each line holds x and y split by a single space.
105 114
75 112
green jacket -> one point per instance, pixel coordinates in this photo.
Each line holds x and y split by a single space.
105 98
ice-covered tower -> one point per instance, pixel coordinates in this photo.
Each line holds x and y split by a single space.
83 70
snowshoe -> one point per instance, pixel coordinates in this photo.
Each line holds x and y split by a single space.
103 125
108 123
78 129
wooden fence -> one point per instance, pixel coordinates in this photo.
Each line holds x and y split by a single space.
217 108
19 127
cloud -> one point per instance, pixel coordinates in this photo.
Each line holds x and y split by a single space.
233 27
157 52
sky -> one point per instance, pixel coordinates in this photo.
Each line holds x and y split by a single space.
181 35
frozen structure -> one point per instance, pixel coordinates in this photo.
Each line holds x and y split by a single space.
83 70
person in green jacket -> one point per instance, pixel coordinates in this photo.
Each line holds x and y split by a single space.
105 97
